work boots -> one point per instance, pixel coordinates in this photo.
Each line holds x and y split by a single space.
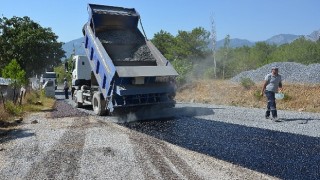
267 114
275 115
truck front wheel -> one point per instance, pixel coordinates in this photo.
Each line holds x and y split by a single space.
98 104
75 99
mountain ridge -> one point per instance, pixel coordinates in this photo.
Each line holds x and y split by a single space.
77 46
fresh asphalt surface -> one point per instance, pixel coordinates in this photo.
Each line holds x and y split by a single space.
283 154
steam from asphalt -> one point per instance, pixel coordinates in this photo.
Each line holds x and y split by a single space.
130 117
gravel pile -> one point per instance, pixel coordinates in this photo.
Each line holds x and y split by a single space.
291 72
63 109
121 36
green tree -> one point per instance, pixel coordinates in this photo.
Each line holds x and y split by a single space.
17 75
35 48
184 50
183 67
301 50
226 52
261 53
192 45
242 60
165 42
62 72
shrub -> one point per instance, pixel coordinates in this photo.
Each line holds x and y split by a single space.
32 97
247 83
4 115
257 95
183 67
287 97
209 73
12 109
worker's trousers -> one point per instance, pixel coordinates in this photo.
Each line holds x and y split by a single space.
66 93
271 106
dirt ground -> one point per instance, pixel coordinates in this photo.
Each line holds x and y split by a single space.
299 97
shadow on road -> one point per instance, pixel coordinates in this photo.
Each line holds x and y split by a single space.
283 155
304 120
11 134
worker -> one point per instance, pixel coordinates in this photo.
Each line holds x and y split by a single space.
272 84
66 88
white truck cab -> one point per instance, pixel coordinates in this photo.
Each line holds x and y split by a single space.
49 76
81 73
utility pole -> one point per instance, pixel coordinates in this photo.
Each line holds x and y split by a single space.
226 52
214 43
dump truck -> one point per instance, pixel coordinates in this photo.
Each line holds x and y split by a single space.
122 69
49 76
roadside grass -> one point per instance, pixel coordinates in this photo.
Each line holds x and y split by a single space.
4 115
33 101
36 101
298 97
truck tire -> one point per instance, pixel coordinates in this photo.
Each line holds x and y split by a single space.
98 104
75 99
77 104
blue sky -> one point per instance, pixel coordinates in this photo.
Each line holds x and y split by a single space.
254 20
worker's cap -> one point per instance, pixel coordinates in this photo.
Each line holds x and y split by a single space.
65 78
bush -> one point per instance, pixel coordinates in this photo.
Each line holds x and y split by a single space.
287 97
32 97
209 73
183 67
12 109
257 95
4 115
247 83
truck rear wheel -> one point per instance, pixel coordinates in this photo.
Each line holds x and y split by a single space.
98 104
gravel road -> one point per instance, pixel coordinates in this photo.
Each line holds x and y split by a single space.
198 141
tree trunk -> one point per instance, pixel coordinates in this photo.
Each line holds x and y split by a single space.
4 106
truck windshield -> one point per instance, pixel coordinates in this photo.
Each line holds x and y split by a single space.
49 75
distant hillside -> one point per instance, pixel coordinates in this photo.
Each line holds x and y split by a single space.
234 43
76 44
280 39
314 36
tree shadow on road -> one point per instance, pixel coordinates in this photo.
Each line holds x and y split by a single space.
12 134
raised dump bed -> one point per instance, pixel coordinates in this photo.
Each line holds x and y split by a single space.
127 70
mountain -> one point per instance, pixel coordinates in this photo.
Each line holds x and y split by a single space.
314 36
282 39
234 43
78 44
288 38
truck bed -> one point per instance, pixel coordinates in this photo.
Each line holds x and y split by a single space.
128 69
126 47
